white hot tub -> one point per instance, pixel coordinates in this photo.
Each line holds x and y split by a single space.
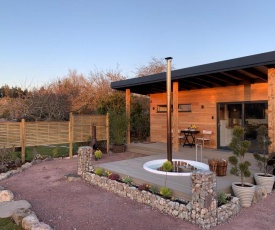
152 166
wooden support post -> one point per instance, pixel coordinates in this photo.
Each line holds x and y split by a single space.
71 135
107 133
247 92
175 116
23 140
271 108
128 112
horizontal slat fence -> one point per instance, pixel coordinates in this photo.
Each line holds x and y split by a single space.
9 134
78 129
45 133
83 131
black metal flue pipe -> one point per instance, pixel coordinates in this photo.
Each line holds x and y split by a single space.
93 141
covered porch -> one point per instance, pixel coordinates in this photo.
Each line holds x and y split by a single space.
215 96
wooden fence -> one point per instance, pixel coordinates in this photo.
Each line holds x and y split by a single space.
77 129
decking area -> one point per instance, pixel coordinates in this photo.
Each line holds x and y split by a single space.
181 185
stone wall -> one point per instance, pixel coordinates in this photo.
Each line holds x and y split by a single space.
201 210
204 199
19 211
228 210
84 159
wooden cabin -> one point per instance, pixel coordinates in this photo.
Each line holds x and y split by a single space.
215 96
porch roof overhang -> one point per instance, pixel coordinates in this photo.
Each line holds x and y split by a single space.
239 71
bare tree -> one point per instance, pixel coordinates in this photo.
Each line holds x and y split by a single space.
80 91
48 105
39 104
153 67
101 81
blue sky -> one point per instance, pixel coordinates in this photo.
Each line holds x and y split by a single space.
41 40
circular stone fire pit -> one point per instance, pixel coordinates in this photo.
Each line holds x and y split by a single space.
152 166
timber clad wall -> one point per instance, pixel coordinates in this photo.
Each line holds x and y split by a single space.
202 117
271 107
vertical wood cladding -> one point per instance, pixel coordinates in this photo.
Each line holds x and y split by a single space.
204 106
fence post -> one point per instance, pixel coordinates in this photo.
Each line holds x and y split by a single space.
71 135
107 133
23 140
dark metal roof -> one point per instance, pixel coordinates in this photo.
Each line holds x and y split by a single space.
250 69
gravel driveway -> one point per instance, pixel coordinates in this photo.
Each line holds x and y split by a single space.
66 205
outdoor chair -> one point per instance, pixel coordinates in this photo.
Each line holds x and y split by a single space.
206 137
180 137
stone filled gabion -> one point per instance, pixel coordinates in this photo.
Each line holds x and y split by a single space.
84 159
201 210
204 199
228 210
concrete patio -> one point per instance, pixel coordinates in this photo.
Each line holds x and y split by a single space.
180 185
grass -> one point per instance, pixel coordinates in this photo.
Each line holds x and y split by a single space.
55 151
60 150
8 224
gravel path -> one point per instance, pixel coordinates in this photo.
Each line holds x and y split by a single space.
66 205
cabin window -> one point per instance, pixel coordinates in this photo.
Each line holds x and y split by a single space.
184 107
162 108
181 108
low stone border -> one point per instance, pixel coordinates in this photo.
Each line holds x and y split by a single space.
201 210
20 212
176 209
25 166
15 171
228 210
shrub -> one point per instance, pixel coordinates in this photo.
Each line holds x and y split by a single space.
106 173
153 189
127 180
140 119
99 171
263 141
6 154
166 192
167 167
143 187
118 127
55 152
222 198
98 154
114 176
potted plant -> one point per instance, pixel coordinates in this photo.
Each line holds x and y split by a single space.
97 154
240 167
118 127
264 178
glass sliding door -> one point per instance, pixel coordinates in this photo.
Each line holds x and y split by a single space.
249 115
230 115
255 115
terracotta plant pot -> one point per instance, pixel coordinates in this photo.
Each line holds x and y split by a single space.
245 194
265 181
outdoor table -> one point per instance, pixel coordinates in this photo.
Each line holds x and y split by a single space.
190 137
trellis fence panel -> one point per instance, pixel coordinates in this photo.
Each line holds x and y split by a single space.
78 129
